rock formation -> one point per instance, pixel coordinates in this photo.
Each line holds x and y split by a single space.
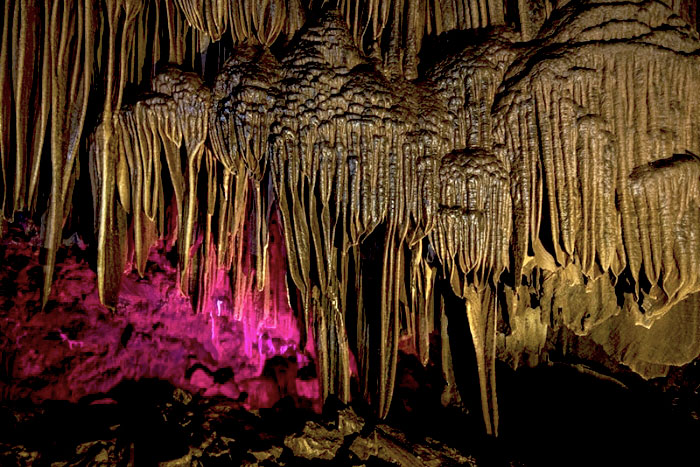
536 162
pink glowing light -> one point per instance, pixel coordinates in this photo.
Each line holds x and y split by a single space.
251 337
71 343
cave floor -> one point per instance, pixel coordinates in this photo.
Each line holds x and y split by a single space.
150 422
548 417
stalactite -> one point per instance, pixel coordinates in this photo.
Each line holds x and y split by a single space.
177 30
41 115
26 87
450 394
71 47
422 295
210 16
111 227
208 271
392 275
481 305
5 108
23 71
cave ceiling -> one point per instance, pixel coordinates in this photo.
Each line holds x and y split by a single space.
536 163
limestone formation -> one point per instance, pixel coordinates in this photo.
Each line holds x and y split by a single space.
545 173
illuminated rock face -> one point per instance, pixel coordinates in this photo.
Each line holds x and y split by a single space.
312 178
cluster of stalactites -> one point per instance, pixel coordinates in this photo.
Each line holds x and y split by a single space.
392 30
380 183
596 134
260 21
245 92
189 128
349 155
473 229
471 239
346 161
359 162
51 54
46 67
143 136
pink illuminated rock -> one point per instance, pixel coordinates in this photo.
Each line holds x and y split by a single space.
246 347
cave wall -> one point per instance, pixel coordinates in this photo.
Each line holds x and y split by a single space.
535 162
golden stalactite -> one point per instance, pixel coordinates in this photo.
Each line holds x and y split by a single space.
5 118
71 44
482 314
268 20
262 21
208 16
25 80
42 116
23 40
177 32
422 295
392 277
111 222
132 10
209 257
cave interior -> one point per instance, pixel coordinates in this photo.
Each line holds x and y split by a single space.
320 232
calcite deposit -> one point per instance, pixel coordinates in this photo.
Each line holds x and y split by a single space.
375 178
